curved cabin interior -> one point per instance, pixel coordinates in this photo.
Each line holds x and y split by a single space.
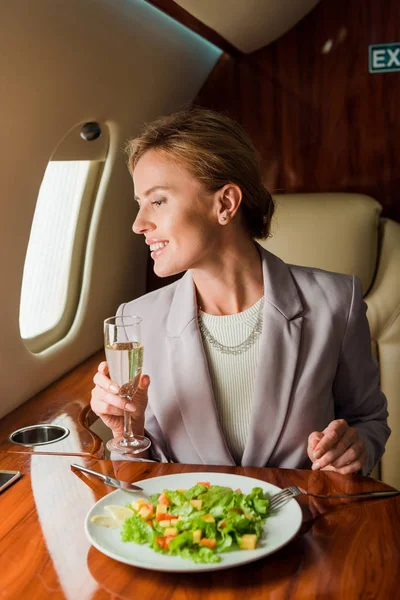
316 85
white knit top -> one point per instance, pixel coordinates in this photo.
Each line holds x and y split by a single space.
233 375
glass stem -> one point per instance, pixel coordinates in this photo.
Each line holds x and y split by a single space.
128 433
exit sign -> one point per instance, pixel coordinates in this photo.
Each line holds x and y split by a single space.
384 58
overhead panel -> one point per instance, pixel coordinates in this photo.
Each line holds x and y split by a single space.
251 24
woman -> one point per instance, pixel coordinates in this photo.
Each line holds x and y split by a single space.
251 361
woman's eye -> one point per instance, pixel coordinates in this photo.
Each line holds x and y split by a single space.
157 202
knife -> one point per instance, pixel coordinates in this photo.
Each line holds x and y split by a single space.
122 485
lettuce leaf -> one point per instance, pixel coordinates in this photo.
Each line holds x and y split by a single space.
261 506
134 529
195 491
199 555
154 499
175 497
182 545
183 539
225 542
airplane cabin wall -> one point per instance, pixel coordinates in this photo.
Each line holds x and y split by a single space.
119 62
320 120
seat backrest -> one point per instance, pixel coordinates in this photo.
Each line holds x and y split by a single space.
345 234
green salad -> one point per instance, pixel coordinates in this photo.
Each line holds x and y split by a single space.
198 523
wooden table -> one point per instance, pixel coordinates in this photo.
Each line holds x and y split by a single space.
344 550
66 403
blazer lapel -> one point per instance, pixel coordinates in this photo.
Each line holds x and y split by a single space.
190 374
279 348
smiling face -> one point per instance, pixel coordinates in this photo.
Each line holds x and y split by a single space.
177 216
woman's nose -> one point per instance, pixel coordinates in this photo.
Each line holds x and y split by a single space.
141 224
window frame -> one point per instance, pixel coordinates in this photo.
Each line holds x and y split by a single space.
48 338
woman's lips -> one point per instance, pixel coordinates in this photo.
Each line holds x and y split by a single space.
156 253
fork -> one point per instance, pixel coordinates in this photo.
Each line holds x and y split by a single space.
282 497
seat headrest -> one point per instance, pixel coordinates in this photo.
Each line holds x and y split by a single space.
336 232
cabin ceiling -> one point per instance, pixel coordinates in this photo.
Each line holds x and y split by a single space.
249 24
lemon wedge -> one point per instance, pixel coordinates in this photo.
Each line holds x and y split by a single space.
119 513
115 517
105 521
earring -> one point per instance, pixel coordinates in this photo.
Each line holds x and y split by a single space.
223 218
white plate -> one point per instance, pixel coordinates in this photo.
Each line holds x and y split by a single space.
278 530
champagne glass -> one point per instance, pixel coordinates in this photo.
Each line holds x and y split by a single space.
124 354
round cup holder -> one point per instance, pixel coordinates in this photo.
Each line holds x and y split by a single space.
38 435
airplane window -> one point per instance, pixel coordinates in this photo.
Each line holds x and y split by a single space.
50 264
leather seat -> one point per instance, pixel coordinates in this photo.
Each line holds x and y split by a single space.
344 233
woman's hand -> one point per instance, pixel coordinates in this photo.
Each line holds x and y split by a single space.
337 448
110 407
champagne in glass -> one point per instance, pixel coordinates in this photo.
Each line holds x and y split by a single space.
124 353
125 361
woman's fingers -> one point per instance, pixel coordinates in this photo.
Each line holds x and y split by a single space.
332 434
141 395
109 406
101 409
144 382
137 406
351 460
352 467
105 382
111 416
338 437
104 402
351 455
336 452
103 367
340 449
313 440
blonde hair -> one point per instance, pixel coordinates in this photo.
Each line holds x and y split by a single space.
216 151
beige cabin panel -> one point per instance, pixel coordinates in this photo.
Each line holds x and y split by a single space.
250 24
62 64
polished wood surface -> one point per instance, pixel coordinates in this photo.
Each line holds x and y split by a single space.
345 549
184 17
65 402
320 121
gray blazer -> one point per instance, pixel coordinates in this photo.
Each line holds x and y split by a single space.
315 365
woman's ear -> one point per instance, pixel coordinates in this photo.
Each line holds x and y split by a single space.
230 198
